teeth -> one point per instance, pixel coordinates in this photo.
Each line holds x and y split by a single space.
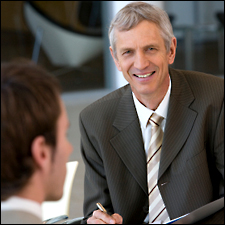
144 76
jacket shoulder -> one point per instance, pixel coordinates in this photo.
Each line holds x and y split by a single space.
200 78
200 83
108 101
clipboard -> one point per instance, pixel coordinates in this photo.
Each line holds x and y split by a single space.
200 213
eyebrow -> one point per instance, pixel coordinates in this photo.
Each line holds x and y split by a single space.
124 49
152 45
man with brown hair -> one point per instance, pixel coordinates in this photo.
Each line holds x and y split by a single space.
34 146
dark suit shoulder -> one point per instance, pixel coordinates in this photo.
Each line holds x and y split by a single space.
200 79
203 86
108 102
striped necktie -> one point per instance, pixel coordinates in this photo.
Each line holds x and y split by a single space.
157 209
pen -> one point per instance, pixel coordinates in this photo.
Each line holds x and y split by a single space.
101 207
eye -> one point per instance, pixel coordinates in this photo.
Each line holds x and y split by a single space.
126 52
151 50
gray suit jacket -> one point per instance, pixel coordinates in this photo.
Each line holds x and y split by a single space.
18 217
191 171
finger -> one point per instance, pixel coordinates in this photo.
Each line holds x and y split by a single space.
93 220
118 219
106 218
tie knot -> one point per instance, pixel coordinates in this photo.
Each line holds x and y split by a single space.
155 120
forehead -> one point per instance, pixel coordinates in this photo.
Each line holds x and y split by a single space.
143 33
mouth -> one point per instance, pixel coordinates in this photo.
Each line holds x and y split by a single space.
144 75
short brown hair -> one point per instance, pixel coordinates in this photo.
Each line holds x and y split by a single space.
29 107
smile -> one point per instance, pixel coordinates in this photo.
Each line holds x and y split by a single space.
145 75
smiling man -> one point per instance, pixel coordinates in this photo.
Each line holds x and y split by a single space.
153 149
143 59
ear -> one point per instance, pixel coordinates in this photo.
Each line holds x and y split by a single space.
41 152
115 60
172 52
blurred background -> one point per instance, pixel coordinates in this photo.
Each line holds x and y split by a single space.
69 38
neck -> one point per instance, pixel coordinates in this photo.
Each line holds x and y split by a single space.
153 101
33 190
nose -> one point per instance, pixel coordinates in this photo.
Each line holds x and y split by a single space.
141 61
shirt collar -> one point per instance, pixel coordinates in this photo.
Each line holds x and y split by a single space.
144 113
23 204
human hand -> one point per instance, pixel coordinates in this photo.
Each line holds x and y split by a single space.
99 217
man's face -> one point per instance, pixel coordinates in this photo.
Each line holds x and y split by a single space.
143 59
63 150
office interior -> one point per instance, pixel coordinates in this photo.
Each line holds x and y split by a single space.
70 41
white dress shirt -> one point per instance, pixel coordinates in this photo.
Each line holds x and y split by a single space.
22 204
144 114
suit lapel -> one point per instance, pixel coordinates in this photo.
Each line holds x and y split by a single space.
128 142
180 120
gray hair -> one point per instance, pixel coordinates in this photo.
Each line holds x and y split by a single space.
133 13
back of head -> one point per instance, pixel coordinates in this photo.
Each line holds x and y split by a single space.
29 107
133 13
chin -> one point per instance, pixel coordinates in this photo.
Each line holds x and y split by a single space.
146 91
54 196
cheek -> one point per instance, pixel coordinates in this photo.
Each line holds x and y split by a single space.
161 62
162 59
64 145
126 67
60 167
